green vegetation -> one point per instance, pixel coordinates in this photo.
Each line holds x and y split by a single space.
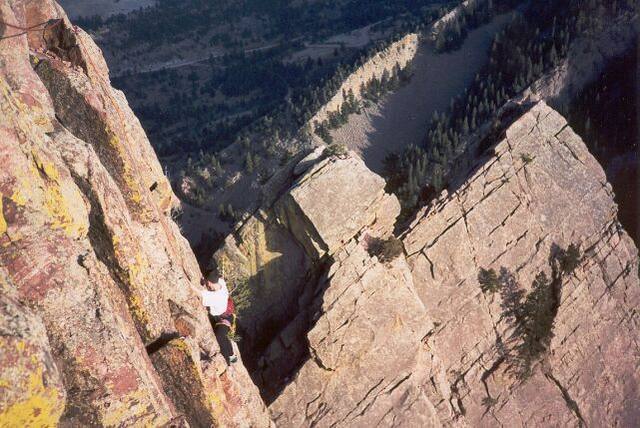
532 315
234 336
453 34
386 250
227 213
488 280
371 92
242 294
526 158
534 42
170 21
335 149
605 115
252 88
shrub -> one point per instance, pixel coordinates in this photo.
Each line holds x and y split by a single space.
234 336
386 250
488 280
569 259
526 158
336 149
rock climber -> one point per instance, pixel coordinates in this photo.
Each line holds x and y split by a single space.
217 299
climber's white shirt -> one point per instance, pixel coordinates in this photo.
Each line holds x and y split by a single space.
216 301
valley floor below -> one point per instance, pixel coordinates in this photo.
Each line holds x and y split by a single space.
402 117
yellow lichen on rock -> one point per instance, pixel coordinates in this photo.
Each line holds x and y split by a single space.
42 406
3 222
18 198
132 408
62 202
133 190
135 278
41 409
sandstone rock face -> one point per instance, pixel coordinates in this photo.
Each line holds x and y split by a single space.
416 342
365 350
31 390
278 255
540 189
332 202
89 247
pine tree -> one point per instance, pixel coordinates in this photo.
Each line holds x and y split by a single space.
249 163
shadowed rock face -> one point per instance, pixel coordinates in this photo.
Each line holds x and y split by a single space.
416 342
88 246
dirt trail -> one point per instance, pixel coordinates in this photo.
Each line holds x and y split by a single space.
402 117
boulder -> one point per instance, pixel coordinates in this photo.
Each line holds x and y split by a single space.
332 202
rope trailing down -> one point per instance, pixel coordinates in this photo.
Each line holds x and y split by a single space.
25 30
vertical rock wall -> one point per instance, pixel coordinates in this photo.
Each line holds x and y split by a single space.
89 247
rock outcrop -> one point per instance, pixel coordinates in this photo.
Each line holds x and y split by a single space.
397 54
511 299
538 190
320 204
101 292
422 339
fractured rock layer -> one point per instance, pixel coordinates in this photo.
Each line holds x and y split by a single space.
281 251
416 342
540 189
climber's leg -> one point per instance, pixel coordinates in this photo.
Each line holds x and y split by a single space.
226 347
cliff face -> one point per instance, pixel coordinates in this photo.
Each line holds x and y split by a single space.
100 312
426 340
510 300
538 191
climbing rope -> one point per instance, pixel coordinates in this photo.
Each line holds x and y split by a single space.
25 30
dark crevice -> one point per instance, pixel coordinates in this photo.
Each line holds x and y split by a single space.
400 382
571 403
160 342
